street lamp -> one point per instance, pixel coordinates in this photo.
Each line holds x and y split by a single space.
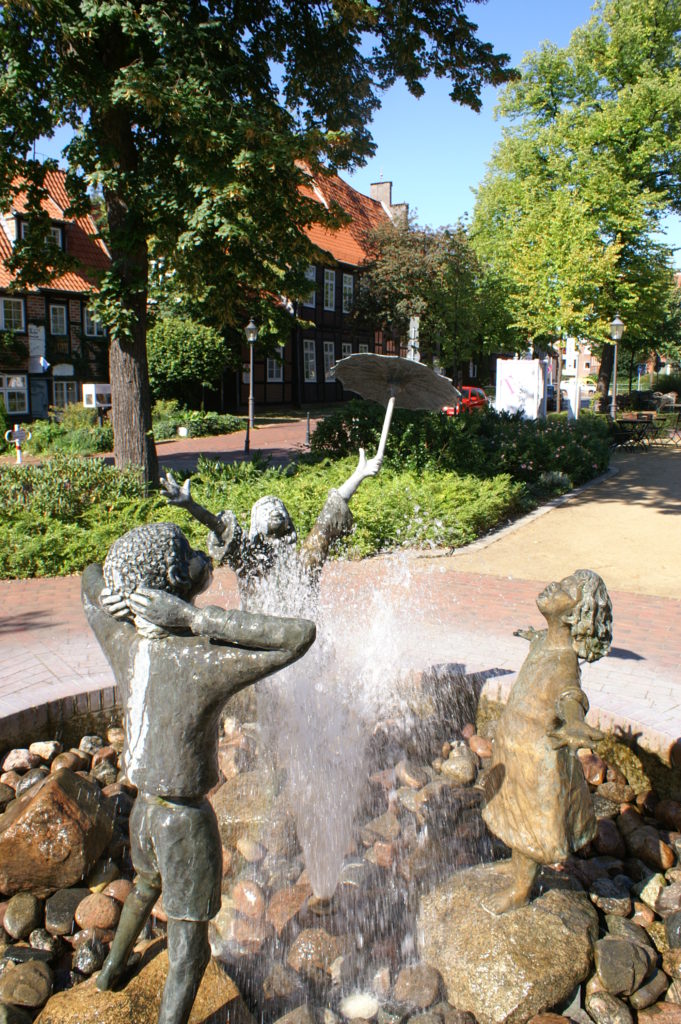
251 332
616 332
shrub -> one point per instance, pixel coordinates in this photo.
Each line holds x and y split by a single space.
71 430
167 415
67 512
485 443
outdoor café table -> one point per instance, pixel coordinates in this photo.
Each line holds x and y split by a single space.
634 433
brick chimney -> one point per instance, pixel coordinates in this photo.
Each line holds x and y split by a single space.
382 192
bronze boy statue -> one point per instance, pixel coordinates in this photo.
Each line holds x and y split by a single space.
176 666
541 806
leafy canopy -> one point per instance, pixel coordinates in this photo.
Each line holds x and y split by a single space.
589 162
183 353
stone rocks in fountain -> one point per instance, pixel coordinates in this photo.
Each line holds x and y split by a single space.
313 954
52 837
541 951
604 1008
660 1013
461 765
217 998
26 984
417 986
24 913
248 806
60 910
286 903
622 966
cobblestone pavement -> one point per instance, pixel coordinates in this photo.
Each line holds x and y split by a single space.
455 614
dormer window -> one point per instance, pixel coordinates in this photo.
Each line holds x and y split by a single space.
55 233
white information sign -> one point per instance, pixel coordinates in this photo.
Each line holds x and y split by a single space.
36 340
520 387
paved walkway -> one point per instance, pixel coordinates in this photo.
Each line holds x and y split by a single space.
458 608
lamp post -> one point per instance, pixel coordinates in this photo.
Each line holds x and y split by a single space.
616 332
251 332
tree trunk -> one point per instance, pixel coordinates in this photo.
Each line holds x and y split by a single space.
131 405
128 370
604 376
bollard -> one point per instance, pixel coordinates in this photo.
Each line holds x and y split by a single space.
307 430
18 435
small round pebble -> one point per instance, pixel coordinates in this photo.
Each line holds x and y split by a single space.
30 779
24 913
47 750
359 1006
90 744
27 984
97 911
89 956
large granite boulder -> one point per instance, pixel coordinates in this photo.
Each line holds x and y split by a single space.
249 806
139 1000
51 838
505 969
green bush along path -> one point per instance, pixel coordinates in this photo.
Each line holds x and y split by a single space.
625 526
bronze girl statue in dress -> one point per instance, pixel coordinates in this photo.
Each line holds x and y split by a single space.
542 807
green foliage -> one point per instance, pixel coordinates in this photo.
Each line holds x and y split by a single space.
568 212
4 422
436 276
484 443
182 353
73 429
168 415
668 382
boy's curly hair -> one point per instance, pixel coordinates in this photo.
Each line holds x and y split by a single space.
156 555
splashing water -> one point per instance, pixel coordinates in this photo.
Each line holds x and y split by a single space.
319 712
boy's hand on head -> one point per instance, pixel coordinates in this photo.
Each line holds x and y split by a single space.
161 608
114 603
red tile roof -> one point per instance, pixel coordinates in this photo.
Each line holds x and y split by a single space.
80 236
345 244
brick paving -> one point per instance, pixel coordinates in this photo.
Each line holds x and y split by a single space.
458 615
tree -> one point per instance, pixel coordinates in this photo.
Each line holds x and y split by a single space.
194 120
568 210
182 355
435 275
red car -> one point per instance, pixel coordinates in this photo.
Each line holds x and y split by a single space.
471 398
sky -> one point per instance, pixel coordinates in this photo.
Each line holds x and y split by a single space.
435 151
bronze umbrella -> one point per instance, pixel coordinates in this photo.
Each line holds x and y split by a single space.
394 381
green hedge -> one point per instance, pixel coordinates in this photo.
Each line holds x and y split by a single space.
68 511
485 443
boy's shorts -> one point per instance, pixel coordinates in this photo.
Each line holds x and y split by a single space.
176 846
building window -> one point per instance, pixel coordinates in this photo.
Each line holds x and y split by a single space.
14 392
329 360
311 275
329 289
57 235
275 367
93 328
309 361
364 348
57 320
12 314
348 292
346 349
65 392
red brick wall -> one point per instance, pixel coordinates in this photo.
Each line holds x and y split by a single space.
35 308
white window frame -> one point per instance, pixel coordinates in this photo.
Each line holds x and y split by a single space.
18 306
311 275
61 306
65 392
329 289
14 393
329 360
92 328
309 361
363 347
275 368
348 292
57 234
346 349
